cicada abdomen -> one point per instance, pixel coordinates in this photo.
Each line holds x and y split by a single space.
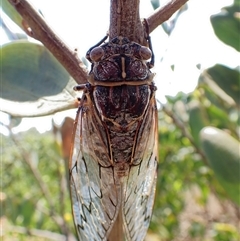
114 156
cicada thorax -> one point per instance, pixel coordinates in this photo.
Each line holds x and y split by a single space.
121 89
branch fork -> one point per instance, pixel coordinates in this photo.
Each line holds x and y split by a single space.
124 20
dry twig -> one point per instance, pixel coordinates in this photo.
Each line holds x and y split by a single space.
163 13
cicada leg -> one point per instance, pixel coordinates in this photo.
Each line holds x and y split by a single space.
82 87
151 62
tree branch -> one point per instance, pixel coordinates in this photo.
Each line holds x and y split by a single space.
36 27
163 13
125 20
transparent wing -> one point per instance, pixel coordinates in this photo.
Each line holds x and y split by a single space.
139 186
95 194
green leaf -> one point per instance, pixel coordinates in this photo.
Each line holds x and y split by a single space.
10 33
33 82
27 208
197 120
12 13
227 79
155 3
226 25
221 82
222 152
218 116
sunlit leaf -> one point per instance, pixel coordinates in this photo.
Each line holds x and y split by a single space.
227 79
155 3
213 79
197 120
226 25
12 13
222 152
33 82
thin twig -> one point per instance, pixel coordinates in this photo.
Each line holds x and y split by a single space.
36 27
45 191
40 233
163 13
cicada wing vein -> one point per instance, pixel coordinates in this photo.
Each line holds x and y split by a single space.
139 186
95 193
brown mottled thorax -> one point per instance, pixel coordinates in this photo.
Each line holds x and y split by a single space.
122 89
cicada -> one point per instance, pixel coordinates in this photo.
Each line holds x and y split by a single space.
114 154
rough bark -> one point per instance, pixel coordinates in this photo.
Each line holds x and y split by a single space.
125 20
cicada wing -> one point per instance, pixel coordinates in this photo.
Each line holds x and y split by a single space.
140 184
95 194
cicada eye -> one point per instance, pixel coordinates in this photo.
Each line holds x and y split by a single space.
145 52
96 54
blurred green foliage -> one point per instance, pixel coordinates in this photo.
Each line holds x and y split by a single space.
198 192
34 183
